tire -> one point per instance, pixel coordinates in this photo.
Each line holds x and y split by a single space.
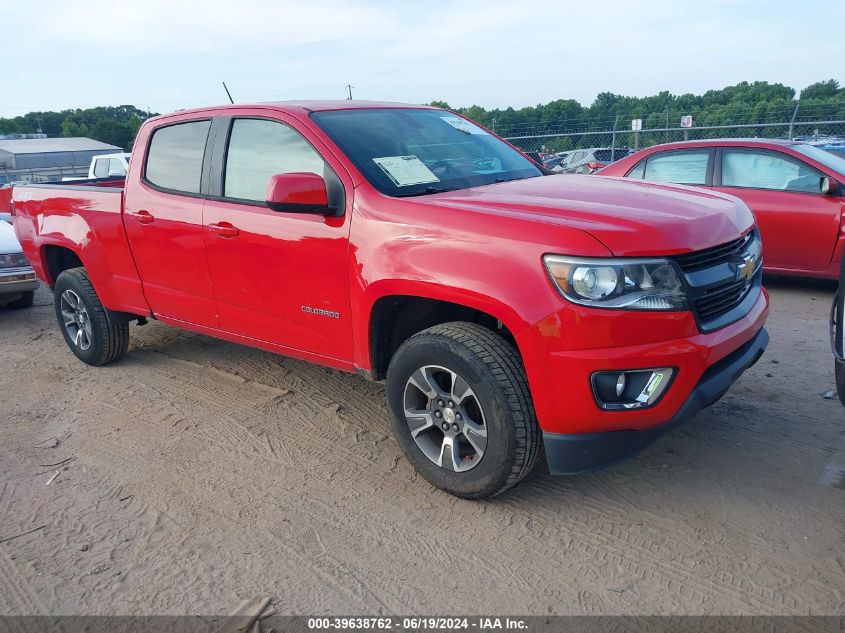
840 380
493 395
24 301
105 334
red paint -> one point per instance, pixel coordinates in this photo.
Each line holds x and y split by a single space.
246 273
803 233
5 199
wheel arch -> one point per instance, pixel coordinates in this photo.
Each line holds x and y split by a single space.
398 313
57 258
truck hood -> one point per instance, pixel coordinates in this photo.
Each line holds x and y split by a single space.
630 217
8 242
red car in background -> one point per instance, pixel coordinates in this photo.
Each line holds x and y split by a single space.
5 202
796 190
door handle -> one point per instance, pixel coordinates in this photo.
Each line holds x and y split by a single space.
224 229
144 217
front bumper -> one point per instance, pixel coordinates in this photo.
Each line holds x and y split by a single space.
561 352
570 454
17 280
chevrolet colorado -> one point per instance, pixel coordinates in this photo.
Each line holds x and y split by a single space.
510 312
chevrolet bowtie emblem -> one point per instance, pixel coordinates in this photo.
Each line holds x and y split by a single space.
745 270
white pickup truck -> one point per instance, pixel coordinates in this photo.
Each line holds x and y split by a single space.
106 166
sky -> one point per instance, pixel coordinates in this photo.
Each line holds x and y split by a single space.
165 55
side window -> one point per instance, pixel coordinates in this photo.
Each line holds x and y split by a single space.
260 149
174 160
767 170
116 167
688 167
101 168
638 171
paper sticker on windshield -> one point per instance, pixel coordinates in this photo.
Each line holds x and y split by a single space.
406 170
463 125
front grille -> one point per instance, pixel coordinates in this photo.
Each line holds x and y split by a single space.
712 256
716 296
723 299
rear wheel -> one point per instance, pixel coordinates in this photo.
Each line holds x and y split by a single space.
24 301
94 333
461 409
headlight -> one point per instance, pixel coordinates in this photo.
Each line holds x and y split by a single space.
633 284
13 260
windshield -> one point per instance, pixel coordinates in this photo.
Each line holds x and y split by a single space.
828 159
412 152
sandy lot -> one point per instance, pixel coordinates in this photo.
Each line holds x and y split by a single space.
201 473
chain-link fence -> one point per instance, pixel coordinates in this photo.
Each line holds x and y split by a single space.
42 174
621 141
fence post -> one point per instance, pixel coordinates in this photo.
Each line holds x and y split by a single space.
613 141
792 121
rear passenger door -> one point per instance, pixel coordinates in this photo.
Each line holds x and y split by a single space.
163 220
798 223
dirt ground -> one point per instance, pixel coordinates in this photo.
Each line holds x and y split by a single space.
201 473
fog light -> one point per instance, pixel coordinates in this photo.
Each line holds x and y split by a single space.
630 389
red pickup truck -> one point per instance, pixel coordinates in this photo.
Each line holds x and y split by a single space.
510 311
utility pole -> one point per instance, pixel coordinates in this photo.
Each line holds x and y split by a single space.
349 91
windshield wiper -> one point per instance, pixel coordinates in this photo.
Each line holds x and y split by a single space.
422 192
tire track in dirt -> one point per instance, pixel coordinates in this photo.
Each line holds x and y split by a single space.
198 472
638 552
322 515
16 595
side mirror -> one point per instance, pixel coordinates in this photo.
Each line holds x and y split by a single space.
298 192
829 186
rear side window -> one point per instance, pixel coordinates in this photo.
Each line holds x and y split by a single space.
683 168
116 167
174 160
767 170
260 149
101 168
638 171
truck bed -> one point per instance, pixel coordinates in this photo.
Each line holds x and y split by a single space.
83 219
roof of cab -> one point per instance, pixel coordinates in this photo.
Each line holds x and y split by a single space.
303 106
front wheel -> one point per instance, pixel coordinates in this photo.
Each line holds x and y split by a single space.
461 409
94 333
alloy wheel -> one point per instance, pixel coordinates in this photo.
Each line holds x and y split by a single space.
445 418
77 321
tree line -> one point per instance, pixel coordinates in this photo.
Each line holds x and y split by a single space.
116 125
744 103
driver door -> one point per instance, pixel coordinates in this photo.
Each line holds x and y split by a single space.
278 277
